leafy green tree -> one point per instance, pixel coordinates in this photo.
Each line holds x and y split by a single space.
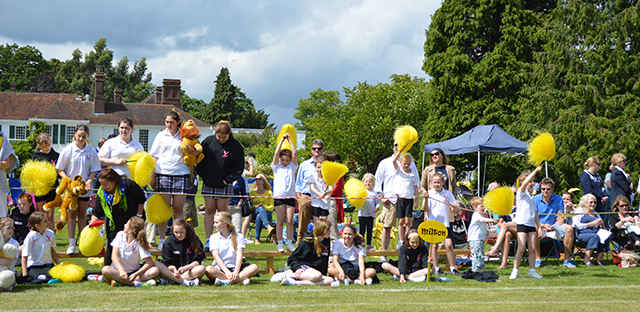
223 104
24 149
195 107
20 65
316 103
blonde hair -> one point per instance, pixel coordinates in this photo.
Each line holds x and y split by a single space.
43 138
5 221
476 201
225 218
615 159
265 182
320 228
590 161
584 200
370 176
406 156
523 175
136 226
620 199
408 236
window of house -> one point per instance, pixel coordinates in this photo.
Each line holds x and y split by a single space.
20 133
71 130
115 132
143 138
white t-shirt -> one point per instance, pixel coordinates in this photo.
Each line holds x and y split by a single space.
130 253
369 206
437 210
37 247
525 209
117 148
320 187
284 180
167 149
477 228
404 183
225 249
347 254
75 161
385 174
17 245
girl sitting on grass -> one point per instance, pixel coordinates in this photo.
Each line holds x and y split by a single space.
413 261
129 247
38 249
348 258
227 246
182 256
310 260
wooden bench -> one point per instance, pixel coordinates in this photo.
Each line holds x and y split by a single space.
269 255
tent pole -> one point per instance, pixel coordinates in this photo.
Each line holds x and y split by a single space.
546 168
484 176
479 185
423 154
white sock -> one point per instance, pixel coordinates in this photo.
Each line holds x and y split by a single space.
280 242
288 241
515 270
400 242
532 270
186 282
72 241
451 268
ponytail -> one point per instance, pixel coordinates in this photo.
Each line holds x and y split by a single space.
136 225
320 228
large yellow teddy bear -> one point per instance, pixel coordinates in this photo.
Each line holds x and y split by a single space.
7 277
67 198
190 134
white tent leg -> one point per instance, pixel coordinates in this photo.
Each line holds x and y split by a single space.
479 182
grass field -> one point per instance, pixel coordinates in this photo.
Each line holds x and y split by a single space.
584 288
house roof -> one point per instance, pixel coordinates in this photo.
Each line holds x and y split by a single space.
25 106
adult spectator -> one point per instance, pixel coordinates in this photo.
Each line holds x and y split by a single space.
173 177
262 206
303 193
588 233
222 165
620 180
115 152
385 173
591 183
622 222
548 206
438 162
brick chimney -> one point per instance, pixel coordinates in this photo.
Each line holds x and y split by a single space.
13 86
171 92
117 96
98 99
158 95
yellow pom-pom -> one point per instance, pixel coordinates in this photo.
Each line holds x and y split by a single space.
292 134
542 148
67 272
499 201
332 172
141 168
92 239
96 261
38 177
355 188
157 209
405 136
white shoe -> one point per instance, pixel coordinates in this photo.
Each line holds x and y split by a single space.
383 259
246 281
195 282
71 249
280 248
346 282
534 274
291 247
335 284
219 282
418 279
398 246
160 243
514 275
368 281
288 281
278 277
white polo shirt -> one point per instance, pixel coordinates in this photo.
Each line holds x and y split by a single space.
75 161
320 187
404 183
115 148
37 247
167 149
17 245
437 210
225 249
130 253
284 180
347 254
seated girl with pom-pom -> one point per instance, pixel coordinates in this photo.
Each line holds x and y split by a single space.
413 261
182 256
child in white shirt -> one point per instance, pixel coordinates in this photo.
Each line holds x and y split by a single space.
38 253
405 185
477 234
437 208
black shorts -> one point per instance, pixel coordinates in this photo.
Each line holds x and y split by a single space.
319 212
49 197
449 233
525 228
404 208
289 202
84 199
352 271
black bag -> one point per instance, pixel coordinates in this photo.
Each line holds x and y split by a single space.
246 207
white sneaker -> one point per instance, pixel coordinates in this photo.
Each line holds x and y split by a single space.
335 284
195 282
368 281
346 282
246 281
71 249
357 281
383 259
288 281
534 274
291 247
399 245
280 248
278 277
418 279
514 274
160 243
219 282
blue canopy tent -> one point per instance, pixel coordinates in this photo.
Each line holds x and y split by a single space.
485 138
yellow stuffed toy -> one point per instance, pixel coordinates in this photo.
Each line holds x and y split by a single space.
67 197
92 239
7 277
190 134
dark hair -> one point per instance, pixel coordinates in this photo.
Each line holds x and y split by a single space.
285 152
358 240
616 204
84 128
42 138
110 175
26 196
127 120
36 218
332 156
548 181
191 234
570 194
101 142
173 114
223 127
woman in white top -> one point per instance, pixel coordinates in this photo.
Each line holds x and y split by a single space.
172 174
116 151
226 247
78 158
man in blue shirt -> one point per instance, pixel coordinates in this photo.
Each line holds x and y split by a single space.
550 210
303 192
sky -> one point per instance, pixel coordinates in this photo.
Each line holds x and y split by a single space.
276 51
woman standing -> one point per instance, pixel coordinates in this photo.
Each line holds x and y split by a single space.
116 151
620 180
439 163
78 158
172 174
262 207
591 182
222 165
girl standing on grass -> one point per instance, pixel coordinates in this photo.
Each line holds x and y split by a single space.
436 209
38 250
405 185
319 203
367 213
182 255
44 152
310 261
78 158
284 165
129 247
527 222
348 258
413 261
227 246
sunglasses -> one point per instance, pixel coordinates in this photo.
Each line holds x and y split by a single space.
435 154
258 179
591 202
597 164
623 206
316 148
546 188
